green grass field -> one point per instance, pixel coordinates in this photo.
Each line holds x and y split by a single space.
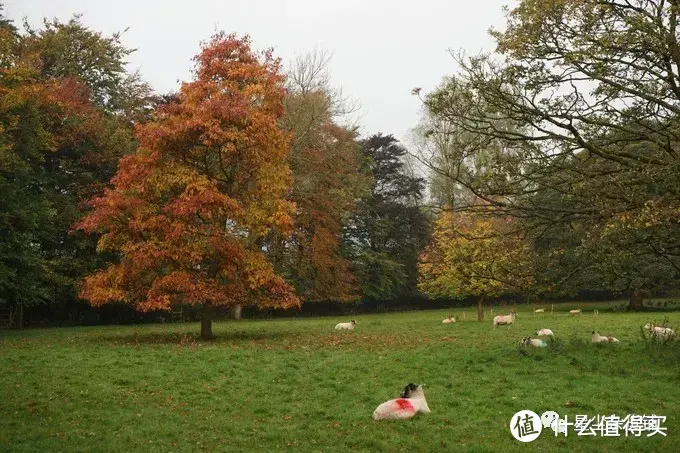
299 385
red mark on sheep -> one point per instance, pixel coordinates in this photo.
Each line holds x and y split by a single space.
404 405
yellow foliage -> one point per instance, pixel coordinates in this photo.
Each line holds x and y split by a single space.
472 254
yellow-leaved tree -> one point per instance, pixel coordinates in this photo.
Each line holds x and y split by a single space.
478 255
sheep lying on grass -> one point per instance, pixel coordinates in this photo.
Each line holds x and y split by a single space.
597 338
449 320
575 312
535 342
539 310
504 320
660 331
545 333
346 325
411 402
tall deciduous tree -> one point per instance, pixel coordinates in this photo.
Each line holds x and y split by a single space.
475 255
69 106
189 211
325 160
53 142
584 104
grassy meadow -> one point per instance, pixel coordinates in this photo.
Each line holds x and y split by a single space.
296 384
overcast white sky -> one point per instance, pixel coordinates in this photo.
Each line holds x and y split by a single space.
382 49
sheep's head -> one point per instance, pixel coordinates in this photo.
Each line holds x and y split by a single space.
513 313
595 332
353 322
409 390
525 340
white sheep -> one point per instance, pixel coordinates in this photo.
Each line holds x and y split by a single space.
664 332
449 320
411 402
535 342
504 320
545 333
539 310
660 331
346 325
575 312
597 338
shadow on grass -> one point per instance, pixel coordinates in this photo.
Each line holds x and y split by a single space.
188 338
265 339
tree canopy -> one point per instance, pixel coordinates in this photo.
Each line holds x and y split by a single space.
325 160
580 107
475 255
389 229
189 210
59 147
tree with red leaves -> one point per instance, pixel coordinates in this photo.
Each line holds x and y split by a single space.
187 213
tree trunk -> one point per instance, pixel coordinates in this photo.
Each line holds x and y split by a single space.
206 323
635 300
480 308
237 311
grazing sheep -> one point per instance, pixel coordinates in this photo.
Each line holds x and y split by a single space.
346 325
539 310
535 342
411 402
660 331
575 312
504 320
664 332
597 338
449 320
545 333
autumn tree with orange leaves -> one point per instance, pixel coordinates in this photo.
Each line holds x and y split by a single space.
188 212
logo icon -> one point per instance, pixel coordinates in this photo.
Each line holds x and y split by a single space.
550 418
526 426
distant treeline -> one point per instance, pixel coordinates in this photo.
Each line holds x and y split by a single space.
81 313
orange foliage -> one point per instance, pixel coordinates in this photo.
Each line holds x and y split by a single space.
327 186
62 113
62 104
188 211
